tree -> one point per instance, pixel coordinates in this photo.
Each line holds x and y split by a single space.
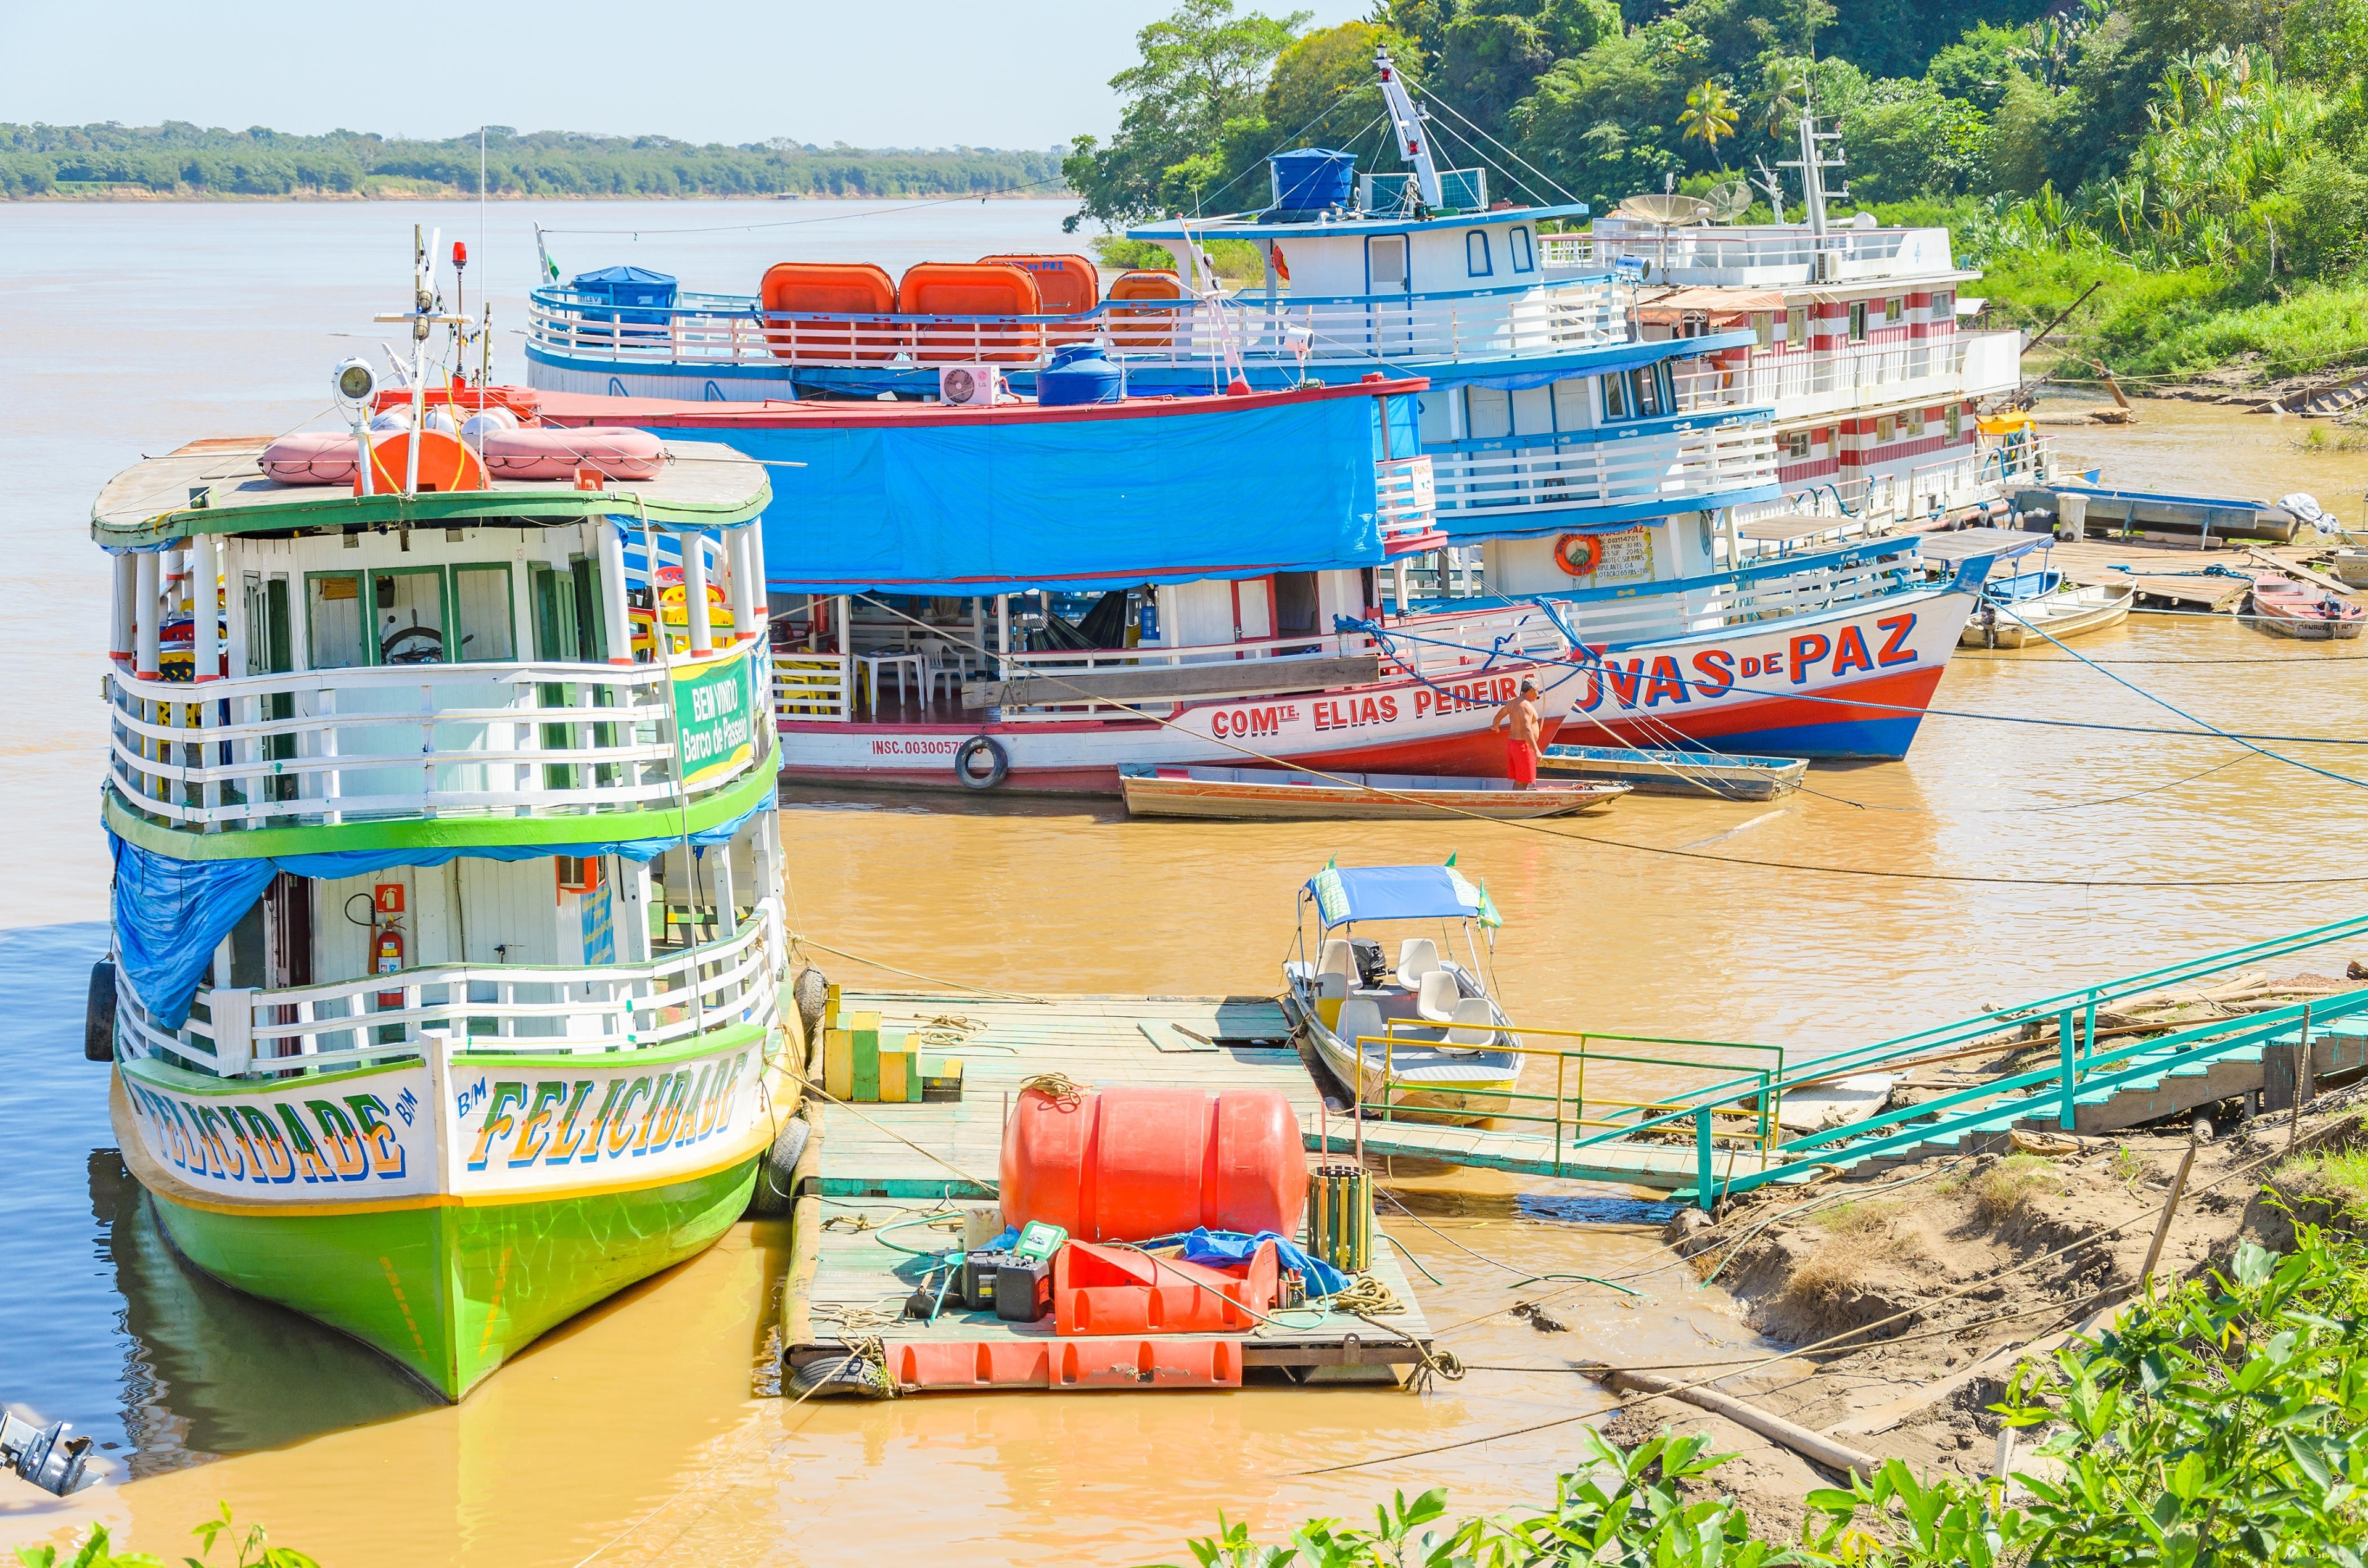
1909 140
1202 73
1709 116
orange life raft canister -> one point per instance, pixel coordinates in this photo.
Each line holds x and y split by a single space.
1129 1164
1065 285
845 294
1158 324
971 289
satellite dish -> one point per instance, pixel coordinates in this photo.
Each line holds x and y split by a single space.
1666 211
1729 200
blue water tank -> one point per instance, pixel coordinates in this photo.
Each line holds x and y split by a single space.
627 286
1078 374
1307 180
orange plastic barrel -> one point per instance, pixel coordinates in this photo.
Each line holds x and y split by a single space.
843 292
971 289
1067 285
1158 329
1125 1165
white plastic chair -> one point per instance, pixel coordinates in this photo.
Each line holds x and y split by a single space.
1437 997
1360 1016
1473 1026
1331 990
1339 958
1417 955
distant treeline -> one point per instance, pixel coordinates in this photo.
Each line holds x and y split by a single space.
181 159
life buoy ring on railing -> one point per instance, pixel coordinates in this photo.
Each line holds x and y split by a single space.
1578 554
998 768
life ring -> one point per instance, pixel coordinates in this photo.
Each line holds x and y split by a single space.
995 774
1578 554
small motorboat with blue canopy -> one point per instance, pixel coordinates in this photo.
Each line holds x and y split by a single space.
1416 1032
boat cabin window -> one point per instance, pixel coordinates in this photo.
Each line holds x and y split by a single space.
1518 242
1858 321
333 614
407 610
1763 327
1644 392
1476 254
1796 326
1796 444
1955 417
1385 263
411 612
481 597
1894 310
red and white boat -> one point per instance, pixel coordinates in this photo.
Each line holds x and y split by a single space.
2294 608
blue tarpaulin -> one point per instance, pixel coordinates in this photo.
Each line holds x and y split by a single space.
968 507
1346 893
1224 1249
170 915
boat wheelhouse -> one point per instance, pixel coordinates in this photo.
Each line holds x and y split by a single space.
449 958
1856 335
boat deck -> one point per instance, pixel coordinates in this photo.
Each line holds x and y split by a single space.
880 1163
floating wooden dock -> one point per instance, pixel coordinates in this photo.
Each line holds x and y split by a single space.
881 1162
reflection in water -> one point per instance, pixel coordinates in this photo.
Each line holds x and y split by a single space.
213 1371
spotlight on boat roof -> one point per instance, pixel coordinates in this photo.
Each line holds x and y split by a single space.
354 383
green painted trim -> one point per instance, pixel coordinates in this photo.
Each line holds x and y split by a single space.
181 1081
728 1038
340 509
451 1293
441 833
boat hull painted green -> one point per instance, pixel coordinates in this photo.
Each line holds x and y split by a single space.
451 1292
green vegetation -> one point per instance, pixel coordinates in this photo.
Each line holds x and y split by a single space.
2208 163
2337 1178
254 1550
2220 1423
179 159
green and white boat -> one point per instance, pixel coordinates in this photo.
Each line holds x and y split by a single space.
448 996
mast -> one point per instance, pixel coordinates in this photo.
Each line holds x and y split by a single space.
1407 120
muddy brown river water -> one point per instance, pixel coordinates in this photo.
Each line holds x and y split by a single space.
1898 895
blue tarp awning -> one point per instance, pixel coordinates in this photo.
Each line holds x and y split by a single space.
981 506
170 915
1346 893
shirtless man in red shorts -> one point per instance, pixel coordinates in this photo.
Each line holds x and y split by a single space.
1519 720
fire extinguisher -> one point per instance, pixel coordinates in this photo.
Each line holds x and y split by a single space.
386 958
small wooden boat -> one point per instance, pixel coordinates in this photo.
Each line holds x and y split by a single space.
2065 613
1420 1037
1265 794
2349 565
2294 608
1697 773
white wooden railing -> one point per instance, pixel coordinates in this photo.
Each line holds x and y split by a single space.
1408 492
813 687
1802 383
399 740
475 1008
1767 253
1881 503
1536 473
711 330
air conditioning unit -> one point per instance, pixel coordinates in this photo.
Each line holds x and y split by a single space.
969 386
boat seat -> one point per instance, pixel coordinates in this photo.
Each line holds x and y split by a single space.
1417 955
1337 958
1473 1027
1358 1017
1437 996
1331 990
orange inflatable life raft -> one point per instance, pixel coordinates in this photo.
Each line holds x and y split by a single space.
1124 1164
971 289
1157 326
845 293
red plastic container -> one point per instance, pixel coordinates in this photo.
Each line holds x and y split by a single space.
1131 1164
1098 1290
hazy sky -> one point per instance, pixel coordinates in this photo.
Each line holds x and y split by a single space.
874 73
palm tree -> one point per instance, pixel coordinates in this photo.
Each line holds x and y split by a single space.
1709 116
